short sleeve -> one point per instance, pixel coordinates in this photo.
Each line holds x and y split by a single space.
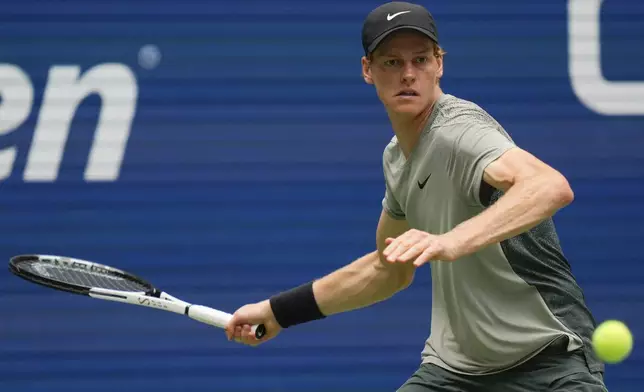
473 146
391 206
392 162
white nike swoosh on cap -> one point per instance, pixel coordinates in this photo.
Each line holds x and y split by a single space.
390 17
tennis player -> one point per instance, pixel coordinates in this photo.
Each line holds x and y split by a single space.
507 312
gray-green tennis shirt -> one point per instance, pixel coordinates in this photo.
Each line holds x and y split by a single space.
500 306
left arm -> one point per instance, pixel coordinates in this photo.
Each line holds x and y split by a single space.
533 192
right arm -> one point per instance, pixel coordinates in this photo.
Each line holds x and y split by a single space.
367 280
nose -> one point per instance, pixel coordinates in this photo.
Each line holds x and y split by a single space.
408 74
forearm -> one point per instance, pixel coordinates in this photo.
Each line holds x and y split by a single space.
523 206
362 283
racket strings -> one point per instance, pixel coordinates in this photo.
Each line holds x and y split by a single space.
80 277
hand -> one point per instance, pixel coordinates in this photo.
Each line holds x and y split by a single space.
421 247
238 328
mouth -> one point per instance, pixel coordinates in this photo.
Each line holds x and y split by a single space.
407 93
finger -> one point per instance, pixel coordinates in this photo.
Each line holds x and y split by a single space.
395 242
395 249
399 250
230 330
245 331
416 249
242 336
229 334
230 327
412 252
251 335
402 245
252 339
248 337
428 255
238 333
389 240
390 246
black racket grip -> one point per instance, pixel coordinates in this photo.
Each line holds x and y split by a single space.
260 331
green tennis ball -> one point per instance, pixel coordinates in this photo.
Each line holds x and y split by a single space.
612 341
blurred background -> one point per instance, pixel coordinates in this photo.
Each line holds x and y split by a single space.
229 150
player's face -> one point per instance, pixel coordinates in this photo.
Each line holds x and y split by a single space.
405 72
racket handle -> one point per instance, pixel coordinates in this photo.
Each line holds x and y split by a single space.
218 318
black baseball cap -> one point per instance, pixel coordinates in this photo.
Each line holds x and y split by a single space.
394 16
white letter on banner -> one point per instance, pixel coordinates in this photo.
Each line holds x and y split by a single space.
613 98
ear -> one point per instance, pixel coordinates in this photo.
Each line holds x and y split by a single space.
439 71
366 70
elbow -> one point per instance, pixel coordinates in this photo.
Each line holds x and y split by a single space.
404 277
396 277
561 192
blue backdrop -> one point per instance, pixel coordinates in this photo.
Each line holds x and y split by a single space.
252 163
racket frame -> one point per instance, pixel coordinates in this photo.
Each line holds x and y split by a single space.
14 267
153 298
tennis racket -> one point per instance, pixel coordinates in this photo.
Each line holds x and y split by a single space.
104 282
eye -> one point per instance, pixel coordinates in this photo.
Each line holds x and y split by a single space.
391 62
422 59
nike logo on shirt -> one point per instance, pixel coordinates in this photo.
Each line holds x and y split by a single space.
421 185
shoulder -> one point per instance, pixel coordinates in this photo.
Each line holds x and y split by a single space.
392 153
452 110
456 117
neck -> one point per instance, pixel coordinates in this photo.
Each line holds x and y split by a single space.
409 128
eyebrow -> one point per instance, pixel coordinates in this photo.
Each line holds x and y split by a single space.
387 53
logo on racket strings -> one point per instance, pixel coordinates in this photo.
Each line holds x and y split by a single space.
78 265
